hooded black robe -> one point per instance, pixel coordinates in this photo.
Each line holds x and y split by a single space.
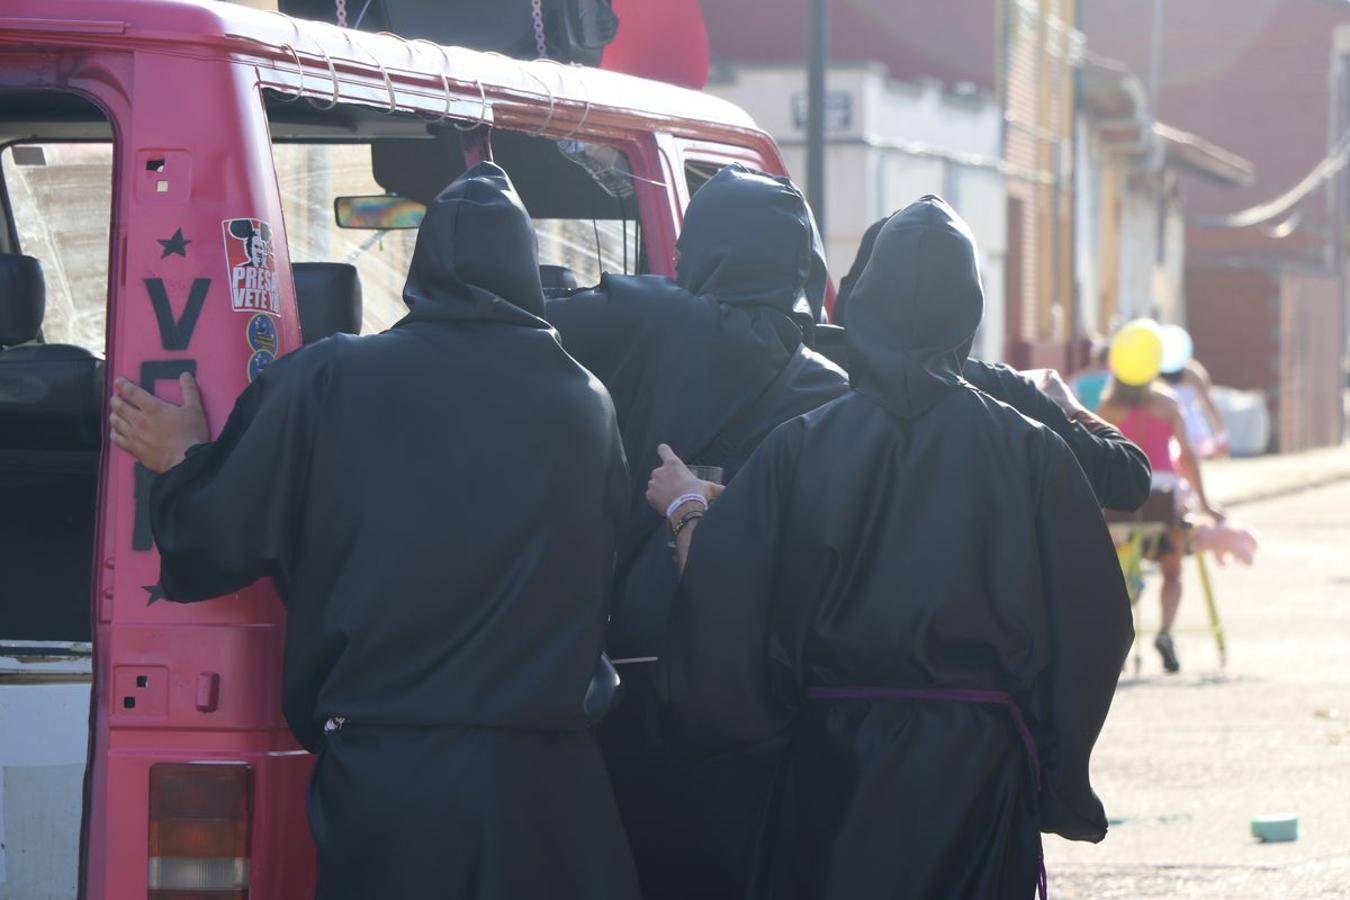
1118 471
709 363
438 506
941 541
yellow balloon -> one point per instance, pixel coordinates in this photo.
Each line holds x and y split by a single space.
1137 352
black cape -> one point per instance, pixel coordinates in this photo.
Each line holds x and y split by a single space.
949 543
438 506
850 280
709 363
1118 471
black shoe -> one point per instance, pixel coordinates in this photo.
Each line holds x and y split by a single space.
1168 652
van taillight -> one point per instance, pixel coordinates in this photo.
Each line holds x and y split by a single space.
200 817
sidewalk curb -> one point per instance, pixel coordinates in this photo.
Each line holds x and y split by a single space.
1257 496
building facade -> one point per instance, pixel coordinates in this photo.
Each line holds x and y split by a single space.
1264 281
876 163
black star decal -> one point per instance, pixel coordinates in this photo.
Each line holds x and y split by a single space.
156 592
174 245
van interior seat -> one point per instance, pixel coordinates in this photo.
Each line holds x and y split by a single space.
557 280
328 295
50 394
51 401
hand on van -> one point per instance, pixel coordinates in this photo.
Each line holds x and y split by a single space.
156 432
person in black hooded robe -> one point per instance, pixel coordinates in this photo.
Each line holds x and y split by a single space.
1118 471
709 362
438 506
933 616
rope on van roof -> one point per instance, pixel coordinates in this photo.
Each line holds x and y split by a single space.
586 93
445 79
290 20
551 102
524 67
300 67
332 73
482 110
445 83
520 66
320 50
388 82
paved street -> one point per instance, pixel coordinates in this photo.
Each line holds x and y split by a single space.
1186 761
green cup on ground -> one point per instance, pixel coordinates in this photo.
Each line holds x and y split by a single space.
1275 829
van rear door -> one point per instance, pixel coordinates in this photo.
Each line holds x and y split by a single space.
195 782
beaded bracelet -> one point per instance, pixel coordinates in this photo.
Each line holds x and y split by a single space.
685 519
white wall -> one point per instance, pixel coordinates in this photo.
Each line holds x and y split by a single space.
851 202
983 203
1087 232
769 92
926 111
1174 264
1138 254
1152 284
903 140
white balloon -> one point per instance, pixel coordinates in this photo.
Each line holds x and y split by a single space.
1177 348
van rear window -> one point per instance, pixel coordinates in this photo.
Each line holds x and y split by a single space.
311 176
60 198
585 212
353 181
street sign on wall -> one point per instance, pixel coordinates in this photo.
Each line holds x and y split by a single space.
838 110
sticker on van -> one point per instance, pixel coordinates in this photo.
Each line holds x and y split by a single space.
263 341
252 266
262 333
257 362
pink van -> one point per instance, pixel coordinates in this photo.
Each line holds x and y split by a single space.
182 185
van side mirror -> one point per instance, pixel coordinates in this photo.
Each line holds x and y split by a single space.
382 212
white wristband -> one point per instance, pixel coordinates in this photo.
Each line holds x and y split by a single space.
682 500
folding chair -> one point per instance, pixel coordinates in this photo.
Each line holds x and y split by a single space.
1137 536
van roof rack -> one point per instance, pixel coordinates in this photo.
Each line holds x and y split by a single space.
326 65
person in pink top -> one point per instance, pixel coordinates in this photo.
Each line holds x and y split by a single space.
1151 416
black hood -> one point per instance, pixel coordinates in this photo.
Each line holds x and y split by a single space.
818 274
476 256
914 308
849 281
749 240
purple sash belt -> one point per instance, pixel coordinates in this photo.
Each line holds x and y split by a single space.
953 695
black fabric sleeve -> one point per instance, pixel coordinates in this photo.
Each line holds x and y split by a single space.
718 672
586 326
225 516
1090 630
1117 470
